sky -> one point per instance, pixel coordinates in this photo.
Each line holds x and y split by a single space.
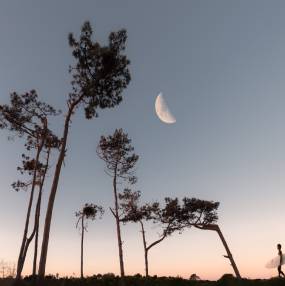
221 66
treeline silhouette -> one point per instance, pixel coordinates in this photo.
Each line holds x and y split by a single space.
100 74
138 280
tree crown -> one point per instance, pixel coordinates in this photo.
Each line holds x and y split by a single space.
196 212
101 72
27 115
172 216
90 211
118 153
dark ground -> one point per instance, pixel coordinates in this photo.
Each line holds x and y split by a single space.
112 280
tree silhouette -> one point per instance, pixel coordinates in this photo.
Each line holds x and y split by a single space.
118 154
167 217
38 208
41 171
194 277
99 76
203 215
27 117
89 211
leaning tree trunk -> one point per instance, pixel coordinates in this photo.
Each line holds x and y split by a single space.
45 241
229 255
36 223
20 263
38 213
36 238
37 218
118 226
82 240
216 228
22 256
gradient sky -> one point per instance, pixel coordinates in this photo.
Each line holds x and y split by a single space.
221 67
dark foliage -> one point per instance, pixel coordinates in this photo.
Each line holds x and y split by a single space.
90 211
137 280
117 152
101 72
196 212
25 116
173 216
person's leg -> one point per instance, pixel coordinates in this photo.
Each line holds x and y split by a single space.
279 271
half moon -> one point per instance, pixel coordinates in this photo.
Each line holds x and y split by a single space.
162 110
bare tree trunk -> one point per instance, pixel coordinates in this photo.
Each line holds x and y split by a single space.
36 250
43 258
21 258
38 213
37 218
20 263
145 249
30 238
82 239
216 228
229 255
149 247
118 226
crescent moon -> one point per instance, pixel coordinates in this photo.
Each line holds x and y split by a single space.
162 110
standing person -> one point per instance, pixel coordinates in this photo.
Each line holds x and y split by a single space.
280 272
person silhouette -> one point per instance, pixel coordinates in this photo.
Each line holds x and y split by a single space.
280 272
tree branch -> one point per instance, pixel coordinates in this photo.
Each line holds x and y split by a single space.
112 212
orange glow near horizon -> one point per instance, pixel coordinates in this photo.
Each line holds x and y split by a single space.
174 257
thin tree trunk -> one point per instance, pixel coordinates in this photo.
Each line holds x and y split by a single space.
45 241
145 249
36 245
229 255
37 218
30 238
156 242
38 213
82 240
21 258
216 228
118 226
146 262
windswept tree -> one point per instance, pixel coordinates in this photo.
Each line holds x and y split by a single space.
195 212
91 212
99 76
167 217
203 215
118 154
172 217
26 116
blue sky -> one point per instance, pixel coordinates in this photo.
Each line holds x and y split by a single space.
220 66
